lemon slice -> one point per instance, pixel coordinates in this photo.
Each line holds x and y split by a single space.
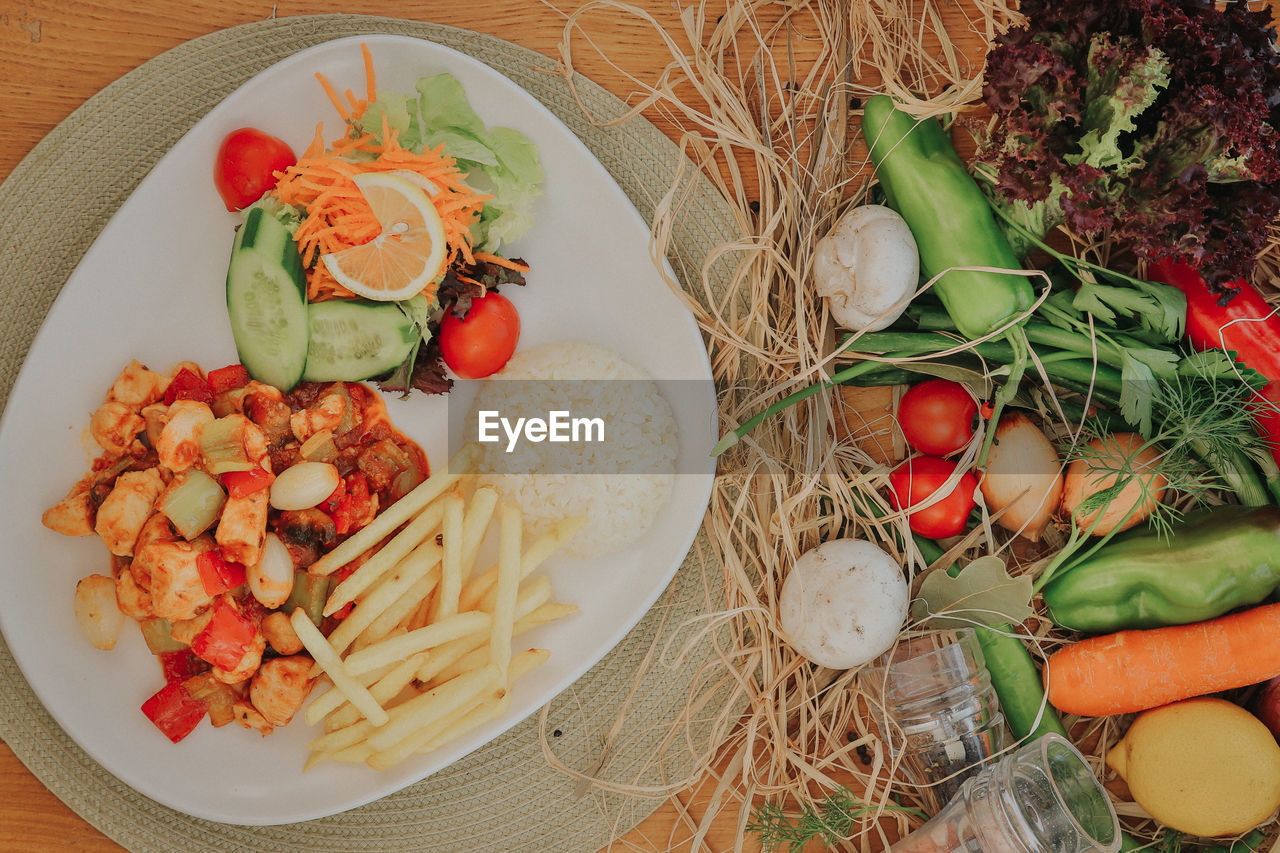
406 256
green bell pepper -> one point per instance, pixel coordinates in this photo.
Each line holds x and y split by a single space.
927 183
1214 561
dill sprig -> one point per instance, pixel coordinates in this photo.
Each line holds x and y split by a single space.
1204 433
831 820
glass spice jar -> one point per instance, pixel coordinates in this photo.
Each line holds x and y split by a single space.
939 713
1041 798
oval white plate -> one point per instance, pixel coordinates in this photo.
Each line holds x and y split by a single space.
151 288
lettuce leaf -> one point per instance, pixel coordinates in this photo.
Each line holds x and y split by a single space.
1153 122
500 161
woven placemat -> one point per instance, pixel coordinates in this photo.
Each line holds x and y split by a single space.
504 796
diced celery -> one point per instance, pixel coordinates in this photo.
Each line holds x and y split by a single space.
309 593
192 501
222 446
159 640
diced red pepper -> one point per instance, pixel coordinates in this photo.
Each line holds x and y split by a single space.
352 506
174 711
227 637
187 386
179 666
218 573
241 484
228 378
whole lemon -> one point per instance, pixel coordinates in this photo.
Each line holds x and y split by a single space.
1201 766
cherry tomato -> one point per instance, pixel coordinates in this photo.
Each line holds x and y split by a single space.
916 479
246 166
482 343
937 416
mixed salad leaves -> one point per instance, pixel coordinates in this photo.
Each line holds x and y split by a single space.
1156 122
378 255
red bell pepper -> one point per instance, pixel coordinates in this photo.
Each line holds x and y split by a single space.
217 573
181 665
241 484
174 711
187 386
225 640
1246 325
228 378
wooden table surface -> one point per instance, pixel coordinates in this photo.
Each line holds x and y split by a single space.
55 54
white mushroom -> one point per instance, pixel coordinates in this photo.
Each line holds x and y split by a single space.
843 603
867 267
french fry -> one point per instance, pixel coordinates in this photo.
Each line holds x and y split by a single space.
451 524
333 697
479 656
323 653
417 564
479 514
398 648
533 597
342 738
399 512
414 534
400 611
491 708
510 530
385 689
474 594
426 708
448 728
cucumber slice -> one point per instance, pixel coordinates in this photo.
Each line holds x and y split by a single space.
267 300
354 339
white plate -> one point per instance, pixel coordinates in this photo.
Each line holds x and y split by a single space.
151 288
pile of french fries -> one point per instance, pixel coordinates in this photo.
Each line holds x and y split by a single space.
425 654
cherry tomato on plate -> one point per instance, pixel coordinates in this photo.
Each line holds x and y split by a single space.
937 416
246 165
482 343
915 480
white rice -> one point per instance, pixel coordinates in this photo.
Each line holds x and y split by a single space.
641 432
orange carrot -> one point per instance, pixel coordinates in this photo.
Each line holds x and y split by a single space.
322 183
1135 670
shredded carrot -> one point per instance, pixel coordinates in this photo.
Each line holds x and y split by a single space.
371 90
333 97
322 183
498 260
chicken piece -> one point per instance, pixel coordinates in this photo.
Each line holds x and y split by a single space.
279 633
156 529
248 664
74 514
127 508
176 587
325 413
179 442
133 599
280 687
115 427
249 717
243 527
137 386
